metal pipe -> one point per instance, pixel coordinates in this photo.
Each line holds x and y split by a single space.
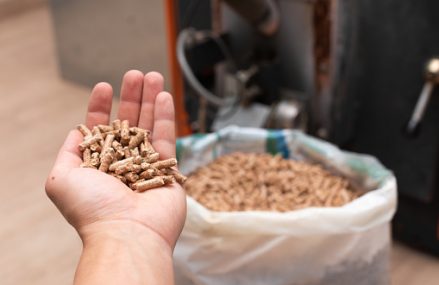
263 14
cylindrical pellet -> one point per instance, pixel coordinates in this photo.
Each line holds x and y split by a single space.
167 163
149 184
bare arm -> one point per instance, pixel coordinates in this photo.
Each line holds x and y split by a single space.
125 254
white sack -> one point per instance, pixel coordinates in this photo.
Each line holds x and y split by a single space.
341 245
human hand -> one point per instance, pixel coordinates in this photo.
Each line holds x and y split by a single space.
95 203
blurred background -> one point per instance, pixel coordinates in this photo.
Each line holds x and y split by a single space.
239 68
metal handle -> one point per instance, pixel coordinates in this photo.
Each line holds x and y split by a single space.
420 107
432 78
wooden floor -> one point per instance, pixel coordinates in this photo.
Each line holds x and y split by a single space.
37 109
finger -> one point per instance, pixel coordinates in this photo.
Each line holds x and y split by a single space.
152 85
131 96
99 105
69 155
163 133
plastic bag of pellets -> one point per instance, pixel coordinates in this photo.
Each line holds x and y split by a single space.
338 245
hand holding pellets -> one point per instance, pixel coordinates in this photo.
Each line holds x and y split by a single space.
127 154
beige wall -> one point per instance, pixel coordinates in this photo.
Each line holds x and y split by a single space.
11 7
95 44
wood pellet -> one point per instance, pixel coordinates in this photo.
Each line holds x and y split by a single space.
262 182
127 153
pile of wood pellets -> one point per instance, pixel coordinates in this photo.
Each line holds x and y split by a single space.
126 153
262 182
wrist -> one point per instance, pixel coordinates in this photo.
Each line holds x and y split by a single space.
122 252
124 232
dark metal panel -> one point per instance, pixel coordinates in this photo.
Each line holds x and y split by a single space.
394 39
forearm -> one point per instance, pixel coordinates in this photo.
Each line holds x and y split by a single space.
125 256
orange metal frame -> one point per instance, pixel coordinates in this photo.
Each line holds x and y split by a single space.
183 127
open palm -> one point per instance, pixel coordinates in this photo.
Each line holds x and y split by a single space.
88 197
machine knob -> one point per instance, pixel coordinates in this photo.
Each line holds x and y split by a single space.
431 79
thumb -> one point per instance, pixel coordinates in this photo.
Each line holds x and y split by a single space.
69 157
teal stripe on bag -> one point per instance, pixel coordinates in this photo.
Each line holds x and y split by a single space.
198 136
179 148
215 150
186 143
276 144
